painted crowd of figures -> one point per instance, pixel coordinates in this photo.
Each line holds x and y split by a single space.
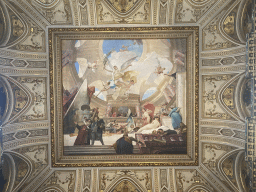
94 128
90 131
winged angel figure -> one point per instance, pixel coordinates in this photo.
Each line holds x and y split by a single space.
121 80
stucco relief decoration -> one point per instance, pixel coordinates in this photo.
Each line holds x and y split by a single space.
212 37
229 97
21 100
21 103
228 167
30 99
212 154
211 107
123 5
22 63
54 11
22 169
87 180
83 12
15 29
163 180
123 11
109 180
224 61
26 34
17 26
189 11
35 40
163 11
187 180
246 102
38 88
3 26
45 2
24 134
246 19
38 157
244 174
229 23
61 180
5 62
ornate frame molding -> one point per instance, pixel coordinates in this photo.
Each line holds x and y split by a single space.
189 159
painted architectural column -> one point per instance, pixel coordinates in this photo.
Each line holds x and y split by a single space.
138 111
180 99
108 110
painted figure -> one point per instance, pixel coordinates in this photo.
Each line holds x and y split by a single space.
122 89
97 128
111 127
163 109
122 80
83 137
124 144
119 73
145 116
176 117
114 114
106 86
159 69
129 87
150 127
130 122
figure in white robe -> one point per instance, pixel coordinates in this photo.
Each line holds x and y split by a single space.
150 127
146 116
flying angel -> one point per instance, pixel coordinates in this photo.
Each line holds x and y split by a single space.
93 66
122 79
159 68
105 87
119 74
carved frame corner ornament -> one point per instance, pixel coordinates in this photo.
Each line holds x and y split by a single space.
190 33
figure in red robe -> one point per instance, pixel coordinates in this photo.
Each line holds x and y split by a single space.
114 114
90 92
83 137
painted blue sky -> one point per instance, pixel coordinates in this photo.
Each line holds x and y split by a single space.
108 45
77 67
149 92
101 96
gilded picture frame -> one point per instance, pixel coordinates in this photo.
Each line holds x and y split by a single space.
56 38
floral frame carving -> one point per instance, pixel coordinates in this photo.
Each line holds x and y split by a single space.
189 159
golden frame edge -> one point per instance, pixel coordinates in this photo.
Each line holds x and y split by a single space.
55 161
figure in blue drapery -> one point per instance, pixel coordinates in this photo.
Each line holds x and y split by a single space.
130 121
176 117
